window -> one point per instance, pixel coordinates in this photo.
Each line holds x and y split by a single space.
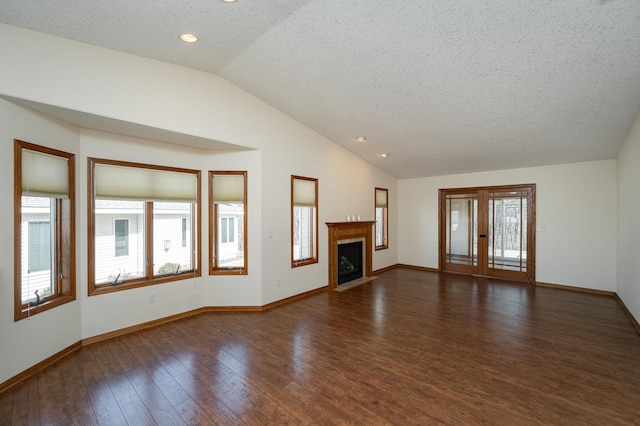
382 225
150 215
121 227
44 233
304 221
228 222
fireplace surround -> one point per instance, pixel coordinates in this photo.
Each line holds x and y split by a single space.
340 231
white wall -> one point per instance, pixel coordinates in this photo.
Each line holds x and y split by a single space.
628 287
575 203
113 311
29 341
67 74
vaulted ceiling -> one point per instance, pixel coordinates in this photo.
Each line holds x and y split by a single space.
443 87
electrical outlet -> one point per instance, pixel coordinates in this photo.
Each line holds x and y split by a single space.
152 298
278 282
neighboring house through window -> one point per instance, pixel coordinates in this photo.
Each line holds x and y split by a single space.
185 228
304 221
39 246
44 234
121 230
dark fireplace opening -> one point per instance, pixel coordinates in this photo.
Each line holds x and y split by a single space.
349 262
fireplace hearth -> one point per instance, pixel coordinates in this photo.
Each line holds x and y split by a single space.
349 262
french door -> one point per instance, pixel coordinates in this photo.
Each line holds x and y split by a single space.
489 231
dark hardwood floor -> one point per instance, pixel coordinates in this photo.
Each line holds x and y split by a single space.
411 347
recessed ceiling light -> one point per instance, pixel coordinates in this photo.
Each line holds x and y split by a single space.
361 139
188 38
229 1
383 155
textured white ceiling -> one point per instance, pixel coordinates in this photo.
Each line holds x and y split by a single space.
442 86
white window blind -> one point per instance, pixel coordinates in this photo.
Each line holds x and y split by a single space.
142 184
44 175
304 193
381 198
228 189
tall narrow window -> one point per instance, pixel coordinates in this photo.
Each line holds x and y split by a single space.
304 221
382 226
228 222
151 215
44 220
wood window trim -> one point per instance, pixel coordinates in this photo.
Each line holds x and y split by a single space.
149 278
213 228
65 247
314 258
385 229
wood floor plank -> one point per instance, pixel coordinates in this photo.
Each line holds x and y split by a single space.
26 404
410 347
105 407
7 407
53 405
78 405
115 377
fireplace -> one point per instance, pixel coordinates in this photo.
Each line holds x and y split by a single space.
350 265
343 233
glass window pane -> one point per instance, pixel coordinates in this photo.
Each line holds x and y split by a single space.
303 232
169 256
230 249
38 237
127 260
380 226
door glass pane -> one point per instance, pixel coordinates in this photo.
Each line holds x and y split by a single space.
508 231
462 229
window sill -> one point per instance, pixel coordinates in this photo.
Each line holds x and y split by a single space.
42 307
110 288
298 263
225 271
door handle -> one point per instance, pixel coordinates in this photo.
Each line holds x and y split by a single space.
483 235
